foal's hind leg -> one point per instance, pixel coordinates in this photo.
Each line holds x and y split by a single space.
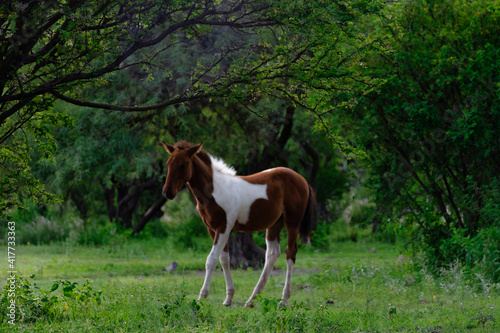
272 254
291 252
292 218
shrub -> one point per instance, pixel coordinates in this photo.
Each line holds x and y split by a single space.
320 238
97 232
184 222
43 231
33 303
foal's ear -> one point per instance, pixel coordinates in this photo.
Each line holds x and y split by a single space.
195 149
169 148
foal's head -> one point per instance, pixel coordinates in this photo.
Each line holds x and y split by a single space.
180 167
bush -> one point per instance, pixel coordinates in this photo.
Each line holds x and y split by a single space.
98 232
361 212
43 231
184 222
33 303
156 228
480 253
320 238
483 251
188 234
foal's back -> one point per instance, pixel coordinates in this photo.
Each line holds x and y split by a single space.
287 193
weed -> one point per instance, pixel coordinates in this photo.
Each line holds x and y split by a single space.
33 303
481 320
175 301
320 237
484 284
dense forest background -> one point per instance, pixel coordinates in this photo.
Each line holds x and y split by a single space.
389 109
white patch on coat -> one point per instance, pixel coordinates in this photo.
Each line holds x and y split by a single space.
268 170
273 249
234 194
211 262
272 253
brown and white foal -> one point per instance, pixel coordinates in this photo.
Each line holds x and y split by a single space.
226 202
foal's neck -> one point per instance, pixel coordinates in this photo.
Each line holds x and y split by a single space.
201 182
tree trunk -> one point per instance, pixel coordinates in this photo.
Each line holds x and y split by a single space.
80 203
312 168
127 196
312 173
127 202
153 211
274 146
243 251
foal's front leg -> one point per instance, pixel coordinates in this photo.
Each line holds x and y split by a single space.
214 255
226 268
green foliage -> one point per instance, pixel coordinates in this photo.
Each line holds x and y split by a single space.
361 212
17 182
175 301
187 228
280 318
61 224
156 228
79 49
200 314
320 239
95 233
481 321
44 231
479 253
408 91
33 303
429 126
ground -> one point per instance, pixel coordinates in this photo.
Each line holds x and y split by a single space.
353 287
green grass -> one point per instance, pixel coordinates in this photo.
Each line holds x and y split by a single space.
370 291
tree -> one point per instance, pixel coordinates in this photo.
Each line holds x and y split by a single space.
81 43
431 130
301 58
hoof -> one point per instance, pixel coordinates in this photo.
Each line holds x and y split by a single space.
229 298
283 303
203 295
249 305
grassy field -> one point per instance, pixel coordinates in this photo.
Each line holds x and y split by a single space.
348 289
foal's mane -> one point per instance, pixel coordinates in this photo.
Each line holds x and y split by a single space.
216 163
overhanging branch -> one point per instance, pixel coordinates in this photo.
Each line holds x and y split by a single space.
125 108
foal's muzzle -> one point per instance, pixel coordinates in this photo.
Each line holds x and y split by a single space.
168 194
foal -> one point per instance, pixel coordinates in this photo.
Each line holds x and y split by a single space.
266 200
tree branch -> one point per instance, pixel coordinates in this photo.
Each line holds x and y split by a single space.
129 108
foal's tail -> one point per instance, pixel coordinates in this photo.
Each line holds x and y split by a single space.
309 221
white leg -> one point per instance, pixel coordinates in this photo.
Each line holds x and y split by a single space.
288 282
212 262
272 254
226 268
